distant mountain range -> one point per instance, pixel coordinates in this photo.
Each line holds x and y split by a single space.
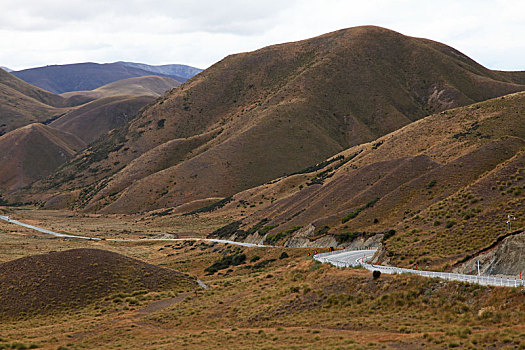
254 117
179 70
89 76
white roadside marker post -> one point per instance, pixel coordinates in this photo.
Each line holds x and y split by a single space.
509 220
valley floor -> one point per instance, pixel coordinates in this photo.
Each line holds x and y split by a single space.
272 300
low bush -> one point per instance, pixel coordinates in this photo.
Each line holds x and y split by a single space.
262 264
356 212
226 261
211 207
284 255
450 223
272 239
348 236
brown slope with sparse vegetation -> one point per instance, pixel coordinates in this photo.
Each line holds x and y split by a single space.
94 119
443 184
32 152
22 104
48 282
281 109
149 86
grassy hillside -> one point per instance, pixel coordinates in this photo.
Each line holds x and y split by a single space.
433 192
94 119
32 152
80 76
278 110
146 86
22 104
49 282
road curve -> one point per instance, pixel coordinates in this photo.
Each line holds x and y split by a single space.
347 258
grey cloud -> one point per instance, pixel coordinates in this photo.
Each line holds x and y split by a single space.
201 32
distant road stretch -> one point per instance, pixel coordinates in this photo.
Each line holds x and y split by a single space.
67 235
347 258
342 258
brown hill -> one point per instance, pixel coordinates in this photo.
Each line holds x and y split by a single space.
73 278
32 152
278 110
93 119
444 184
22 104
141 86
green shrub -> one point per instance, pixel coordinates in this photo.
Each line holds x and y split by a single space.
348 236
19 346
323 230
227 230
356 212
272 239
431 184
450 223
262 264
226 261
266 229
211 207
389 234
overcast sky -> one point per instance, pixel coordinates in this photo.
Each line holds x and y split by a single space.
201 32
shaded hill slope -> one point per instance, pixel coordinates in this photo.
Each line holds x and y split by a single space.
32 152
443 184
278 110
74 278
80 76
146 86
97 118
22 103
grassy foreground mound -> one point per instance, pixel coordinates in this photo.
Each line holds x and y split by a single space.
271 301
72 278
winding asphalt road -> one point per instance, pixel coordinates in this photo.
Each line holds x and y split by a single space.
347 258
66 235
342 258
